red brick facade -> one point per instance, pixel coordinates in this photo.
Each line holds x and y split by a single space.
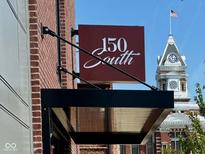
43 55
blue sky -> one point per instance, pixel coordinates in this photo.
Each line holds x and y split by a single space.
188 30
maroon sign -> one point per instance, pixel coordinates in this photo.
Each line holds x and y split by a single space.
120 46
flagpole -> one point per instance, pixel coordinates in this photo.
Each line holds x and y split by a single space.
170 23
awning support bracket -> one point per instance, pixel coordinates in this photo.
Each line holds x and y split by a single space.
76 75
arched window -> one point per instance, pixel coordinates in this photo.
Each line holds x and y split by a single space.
183 85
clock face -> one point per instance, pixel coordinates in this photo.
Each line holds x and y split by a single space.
172 58
173 84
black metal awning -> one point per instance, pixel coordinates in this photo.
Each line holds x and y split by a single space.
133 114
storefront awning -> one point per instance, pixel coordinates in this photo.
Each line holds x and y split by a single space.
128 116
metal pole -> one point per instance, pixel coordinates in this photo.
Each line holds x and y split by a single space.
170 23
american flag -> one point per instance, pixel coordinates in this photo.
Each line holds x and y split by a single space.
173 13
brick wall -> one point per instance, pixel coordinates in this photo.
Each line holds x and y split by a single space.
43 55
67 21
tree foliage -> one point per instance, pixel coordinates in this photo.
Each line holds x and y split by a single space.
199 99
172 151
194 140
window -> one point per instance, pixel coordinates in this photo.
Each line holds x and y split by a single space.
150 147
164 86
178 134
175 139
164 147
183 86
135 149
177 145
122 149
173 145
172 134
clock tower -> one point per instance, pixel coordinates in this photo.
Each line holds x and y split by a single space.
171 72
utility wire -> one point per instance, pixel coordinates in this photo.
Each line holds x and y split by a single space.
46 30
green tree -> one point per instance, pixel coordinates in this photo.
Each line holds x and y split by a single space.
194 140
199 99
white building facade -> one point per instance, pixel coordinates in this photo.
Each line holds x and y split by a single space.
15 90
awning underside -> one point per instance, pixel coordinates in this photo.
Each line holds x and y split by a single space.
111 116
